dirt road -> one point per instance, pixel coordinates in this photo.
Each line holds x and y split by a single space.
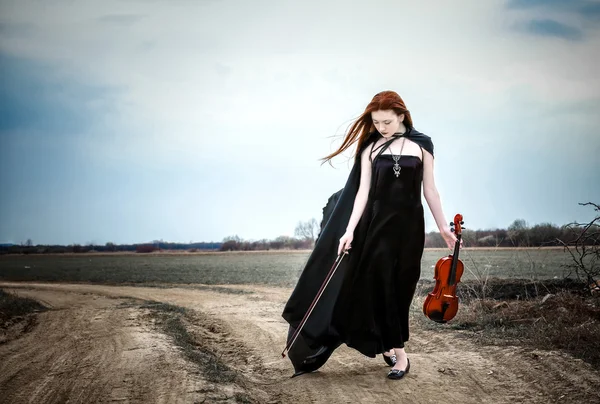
96 344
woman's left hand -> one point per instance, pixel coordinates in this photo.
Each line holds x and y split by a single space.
450 238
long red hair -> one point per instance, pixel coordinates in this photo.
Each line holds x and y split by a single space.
361 129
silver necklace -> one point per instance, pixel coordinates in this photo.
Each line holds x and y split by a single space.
397 167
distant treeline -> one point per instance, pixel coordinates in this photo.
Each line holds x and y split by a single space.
519 234
542 235
29 248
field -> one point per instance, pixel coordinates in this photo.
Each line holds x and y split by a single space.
272 268
207 328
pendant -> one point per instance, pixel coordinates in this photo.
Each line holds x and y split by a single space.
396 167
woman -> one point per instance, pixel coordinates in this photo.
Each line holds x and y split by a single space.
379 217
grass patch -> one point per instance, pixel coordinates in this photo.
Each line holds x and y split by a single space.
12 306
276 269
172 319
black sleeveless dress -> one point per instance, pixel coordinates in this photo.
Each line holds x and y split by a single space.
365 304
371 312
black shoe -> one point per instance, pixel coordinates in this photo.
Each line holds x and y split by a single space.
399 374
390 360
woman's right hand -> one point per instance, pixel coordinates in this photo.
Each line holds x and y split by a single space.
345 242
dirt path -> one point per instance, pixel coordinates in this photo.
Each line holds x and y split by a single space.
94 347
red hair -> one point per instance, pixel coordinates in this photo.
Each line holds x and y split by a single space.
363 126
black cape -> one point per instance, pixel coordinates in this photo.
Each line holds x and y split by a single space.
318 339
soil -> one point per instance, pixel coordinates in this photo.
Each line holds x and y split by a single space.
100 344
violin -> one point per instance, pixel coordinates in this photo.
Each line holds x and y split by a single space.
441 305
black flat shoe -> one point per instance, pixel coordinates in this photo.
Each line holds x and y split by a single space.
399 374
390 360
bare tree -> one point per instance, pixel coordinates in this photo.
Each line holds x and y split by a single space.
307 230
518 233
234 238
585 249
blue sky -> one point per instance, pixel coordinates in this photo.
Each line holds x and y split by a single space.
129 121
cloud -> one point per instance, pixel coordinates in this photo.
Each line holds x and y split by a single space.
11 29
35 97
544 3
120 19
571 20
591 11
551 28
197 106
585 8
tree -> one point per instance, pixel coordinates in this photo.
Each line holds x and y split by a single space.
434 239
307 230
544 234
231 243
518 233
585 249
235 238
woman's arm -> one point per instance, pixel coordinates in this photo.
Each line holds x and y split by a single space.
363 191
433 200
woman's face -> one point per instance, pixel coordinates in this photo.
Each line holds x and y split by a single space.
387 122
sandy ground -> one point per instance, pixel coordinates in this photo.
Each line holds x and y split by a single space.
95 346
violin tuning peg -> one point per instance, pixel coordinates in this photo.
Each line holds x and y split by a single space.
451 223
461 222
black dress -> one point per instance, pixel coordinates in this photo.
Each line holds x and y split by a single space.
371 312
366 302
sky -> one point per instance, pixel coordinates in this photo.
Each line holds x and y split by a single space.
131 121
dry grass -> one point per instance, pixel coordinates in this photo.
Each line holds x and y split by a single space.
17 315
195 333
13 307
171 319
558 317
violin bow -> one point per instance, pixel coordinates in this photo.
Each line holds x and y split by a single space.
336 264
